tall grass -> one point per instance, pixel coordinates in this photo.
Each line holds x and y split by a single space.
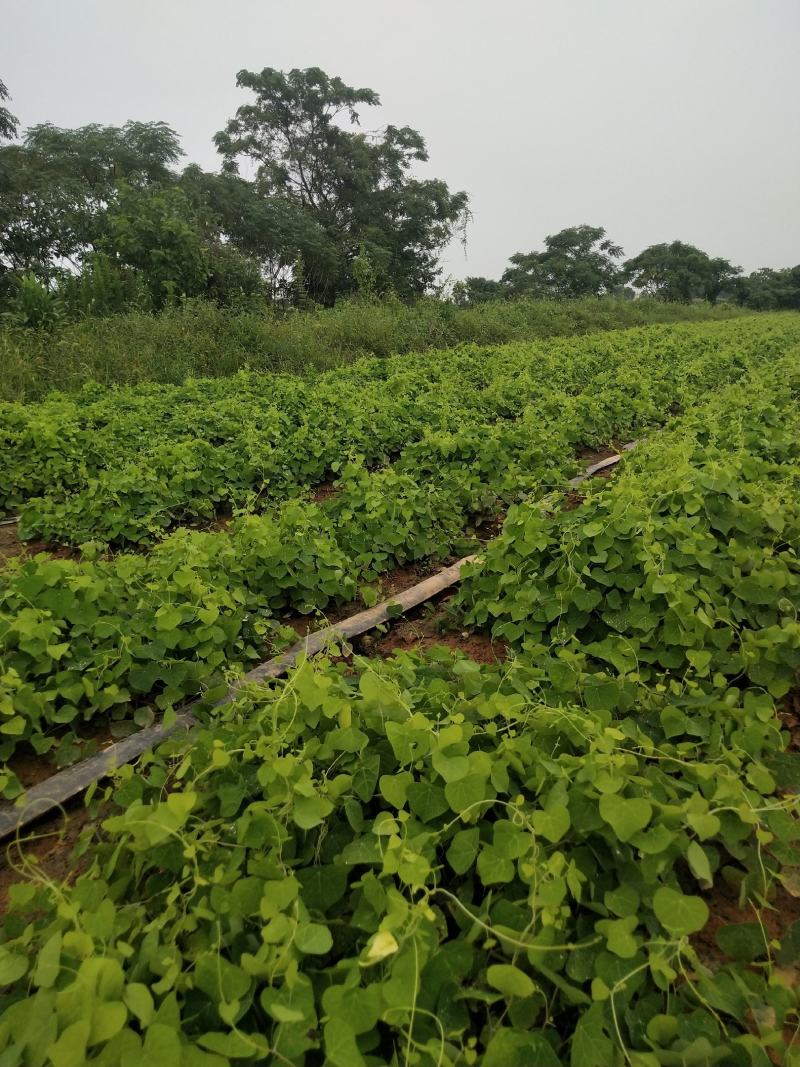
199 339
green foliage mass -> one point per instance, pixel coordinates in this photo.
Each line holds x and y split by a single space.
679 271
426 860
687 562
124 466
479 433
322 194
579 261
438 860
301 133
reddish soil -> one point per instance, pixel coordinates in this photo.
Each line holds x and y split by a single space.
724 907
10 546
218 523
573 498
323 492
388 585
789 714
426 632
488 529
31 767
45 851
588 455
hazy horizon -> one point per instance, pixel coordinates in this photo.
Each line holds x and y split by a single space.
659 121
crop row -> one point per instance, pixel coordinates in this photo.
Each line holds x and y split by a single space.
441 863
112 636
123 467
692 553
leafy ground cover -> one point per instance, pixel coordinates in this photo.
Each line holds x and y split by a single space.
112 637
430 861
123 466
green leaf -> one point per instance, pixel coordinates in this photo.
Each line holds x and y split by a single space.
394 787
699 863
619 935
743 942
626 816
427 801
236 1045
552 823
341 1049
703 824
12 967
679 914
108 1018
313 939
465 792
70 1048
510 980
518 1048
139 1001
463 850
623 901
323 886
309 812
48 962
591 1046
789 951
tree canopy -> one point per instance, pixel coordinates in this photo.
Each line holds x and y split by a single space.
8 122
577 261
59 184
301 133
770 290
99 218
324 197
680 272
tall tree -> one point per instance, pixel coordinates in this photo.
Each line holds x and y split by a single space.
299 132
680 272
577 261
8 122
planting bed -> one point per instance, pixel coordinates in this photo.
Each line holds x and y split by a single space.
575 845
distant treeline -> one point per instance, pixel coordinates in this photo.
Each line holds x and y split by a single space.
100 220
582 261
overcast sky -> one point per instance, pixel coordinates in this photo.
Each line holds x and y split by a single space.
657 119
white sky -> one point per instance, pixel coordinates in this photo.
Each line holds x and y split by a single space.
658 119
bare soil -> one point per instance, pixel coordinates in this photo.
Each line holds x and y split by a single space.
789 714
589 455
783 910
421 630
45 851
324 491
10 546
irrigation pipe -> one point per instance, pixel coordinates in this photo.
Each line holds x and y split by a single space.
63 786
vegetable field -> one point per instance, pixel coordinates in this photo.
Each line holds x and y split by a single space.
583 852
